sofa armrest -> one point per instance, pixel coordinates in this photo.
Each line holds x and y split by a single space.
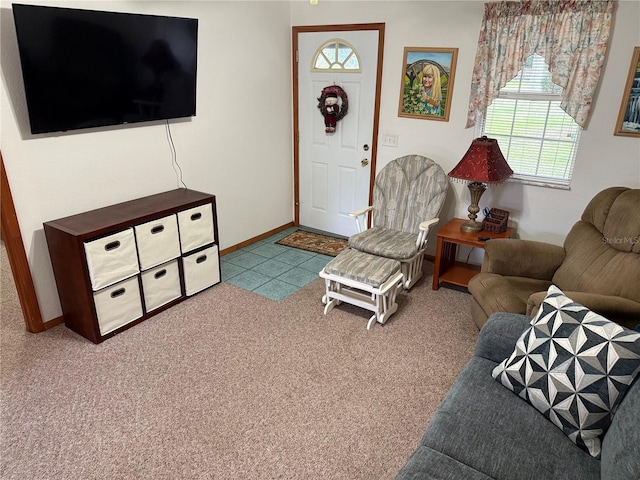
618 309
522 258
499 335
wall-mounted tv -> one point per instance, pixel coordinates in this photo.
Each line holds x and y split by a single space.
86 68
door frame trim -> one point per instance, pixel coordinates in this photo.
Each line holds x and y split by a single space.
17 256
295 31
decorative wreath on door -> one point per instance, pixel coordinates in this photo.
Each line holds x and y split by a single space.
331 109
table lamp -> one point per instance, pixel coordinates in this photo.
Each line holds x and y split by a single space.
482 164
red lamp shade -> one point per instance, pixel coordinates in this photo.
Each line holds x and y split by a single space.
483 163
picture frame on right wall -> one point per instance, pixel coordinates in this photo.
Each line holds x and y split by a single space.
628 123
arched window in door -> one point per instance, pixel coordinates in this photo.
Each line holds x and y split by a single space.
336 55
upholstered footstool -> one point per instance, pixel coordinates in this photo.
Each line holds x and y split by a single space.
364 280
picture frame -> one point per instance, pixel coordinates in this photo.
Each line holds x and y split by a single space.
628 123
420 98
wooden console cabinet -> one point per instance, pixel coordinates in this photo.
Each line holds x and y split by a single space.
119 265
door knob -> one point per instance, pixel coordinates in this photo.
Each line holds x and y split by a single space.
365 147
365 162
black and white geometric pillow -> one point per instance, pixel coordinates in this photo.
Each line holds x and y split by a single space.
574 366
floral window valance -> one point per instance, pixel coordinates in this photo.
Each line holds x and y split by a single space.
571 35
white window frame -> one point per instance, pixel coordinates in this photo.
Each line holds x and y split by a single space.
505 141
336 64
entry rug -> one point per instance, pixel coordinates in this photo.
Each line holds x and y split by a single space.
314 242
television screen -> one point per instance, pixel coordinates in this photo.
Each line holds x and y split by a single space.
85 68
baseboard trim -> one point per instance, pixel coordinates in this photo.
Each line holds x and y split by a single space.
54 322
253 240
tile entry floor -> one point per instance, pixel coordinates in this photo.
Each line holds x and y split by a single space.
271 270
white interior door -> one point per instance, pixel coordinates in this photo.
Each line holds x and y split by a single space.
335 169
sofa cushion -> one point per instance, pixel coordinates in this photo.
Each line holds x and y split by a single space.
499 335
620 459
498 293
603 248
614 212
483 425
574 366
621 310
594 263
428 463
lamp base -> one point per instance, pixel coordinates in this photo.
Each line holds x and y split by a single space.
471 226
476 189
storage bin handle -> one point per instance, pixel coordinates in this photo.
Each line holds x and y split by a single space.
196 216
201 258
160 274
157 229
112 245
119 292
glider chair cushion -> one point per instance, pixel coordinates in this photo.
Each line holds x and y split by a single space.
383 242
408 195
598 266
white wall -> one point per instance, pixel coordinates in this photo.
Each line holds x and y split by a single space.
539 213
238 147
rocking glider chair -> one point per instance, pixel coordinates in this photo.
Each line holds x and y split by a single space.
408 195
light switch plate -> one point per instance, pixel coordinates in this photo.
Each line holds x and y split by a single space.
390 140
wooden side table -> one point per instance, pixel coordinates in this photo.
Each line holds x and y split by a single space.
449 237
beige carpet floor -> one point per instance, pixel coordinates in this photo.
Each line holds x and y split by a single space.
231 385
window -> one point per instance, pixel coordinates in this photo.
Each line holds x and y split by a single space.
336 54
538 139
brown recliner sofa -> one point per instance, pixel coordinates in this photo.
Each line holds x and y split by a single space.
598 266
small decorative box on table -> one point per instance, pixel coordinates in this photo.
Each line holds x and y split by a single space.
496 221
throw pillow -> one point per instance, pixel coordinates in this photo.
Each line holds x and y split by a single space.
574 366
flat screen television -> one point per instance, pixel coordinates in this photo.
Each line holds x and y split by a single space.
86 68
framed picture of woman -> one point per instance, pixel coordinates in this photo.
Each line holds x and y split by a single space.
628 123
427 82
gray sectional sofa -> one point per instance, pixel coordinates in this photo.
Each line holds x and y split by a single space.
484 431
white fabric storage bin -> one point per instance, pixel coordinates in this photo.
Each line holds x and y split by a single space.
160 285
201 270
157 241
118 304
111 259
196 227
